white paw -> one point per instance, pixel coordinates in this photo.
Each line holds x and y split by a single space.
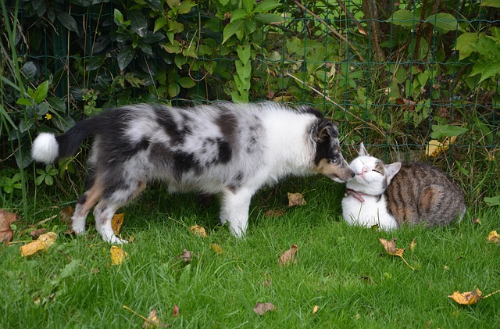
113 239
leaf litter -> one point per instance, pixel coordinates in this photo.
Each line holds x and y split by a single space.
390 248
6 219
43 243
262 308
288 257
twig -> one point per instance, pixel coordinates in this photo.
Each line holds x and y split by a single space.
135 313
340 36
334 103
351 16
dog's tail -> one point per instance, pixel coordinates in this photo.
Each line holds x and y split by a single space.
47 147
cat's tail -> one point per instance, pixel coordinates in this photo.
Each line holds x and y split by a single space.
48 148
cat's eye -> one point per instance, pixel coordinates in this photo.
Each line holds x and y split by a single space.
377 171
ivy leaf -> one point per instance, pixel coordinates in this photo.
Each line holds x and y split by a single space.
125 57
444 21
439 131
186 82
403 17
68 22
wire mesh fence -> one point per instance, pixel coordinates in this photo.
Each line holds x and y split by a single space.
414 80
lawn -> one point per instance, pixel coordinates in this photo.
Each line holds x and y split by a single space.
343 270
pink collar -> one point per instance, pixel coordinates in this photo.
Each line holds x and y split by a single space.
355 194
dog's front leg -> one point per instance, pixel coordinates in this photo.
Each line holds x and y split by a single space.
103 214
235 206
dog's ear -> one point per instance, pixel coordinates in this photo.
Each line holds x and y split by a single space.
326 130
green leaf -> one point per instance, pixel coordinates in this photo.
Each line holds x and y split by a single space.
268 18
231 29
125 57
173 3
491 3
118 17
444 21
266 6
244 53
174 48
67 21
57 104
29 70
173 89
24 101
159 23
248 5
49 180
403 17
185 7
489 70
493 201
138 22
238 14
439 131
41 92
186 82
466 44
94 63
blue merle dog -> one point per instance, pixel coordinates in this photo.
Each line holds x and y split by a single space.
225 148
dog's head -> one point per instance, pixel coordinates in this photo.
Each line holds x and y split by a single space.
328 159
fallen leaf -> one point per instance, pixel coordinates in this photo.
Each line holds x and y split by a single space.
467 298
434 148
296 199
215 247
315 309
186 256
275 213
407 104
494 237
288 256
413 244
66 213
36 233
198 230
6 218
117 255
176 311
42 244
476 221
117 222
153 321
390 248
261 308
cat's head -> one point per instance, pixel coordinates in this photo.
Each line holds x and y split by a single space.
372 176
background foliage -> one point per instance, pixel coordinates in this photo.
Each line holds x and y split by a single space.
395 74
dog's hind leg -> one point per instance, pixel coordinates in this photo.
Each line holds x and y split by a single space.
235 207
107 207
84 204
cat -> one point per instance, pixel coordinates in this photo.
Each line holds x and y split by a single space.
398 193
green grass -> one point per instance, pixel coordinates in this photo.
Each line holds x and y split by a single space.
344 270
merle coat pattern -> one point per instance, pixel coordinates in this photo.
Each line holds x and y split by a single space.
225 149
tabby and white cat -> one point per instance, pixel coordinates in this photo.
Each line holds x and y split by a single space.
390 195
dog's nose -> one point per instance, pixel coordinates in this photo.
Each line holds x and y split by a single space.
352 174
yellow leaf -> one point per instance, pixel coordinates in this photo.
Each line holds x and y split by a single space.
434 148
288 256
494 237
413 244
467 298
390 248
116 222
42 244
117 255
215 247
296 199
153 321
315 309
198 230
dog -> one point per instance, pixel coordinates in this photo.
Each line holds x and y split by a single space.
224 148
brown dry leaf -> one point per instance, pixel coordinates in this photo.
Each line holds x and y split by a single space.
153 321
434 148
117 222
42 244
117 255
6 218
413 244
215 247
288 256
275 213
315 309
296 199
261 308
390 248
66 213
186 256
467 298
476 221
198 230
176 311
36 233
494 237
407 104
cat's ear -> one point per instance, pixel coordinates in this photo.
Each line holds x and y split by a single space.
362 150
391 170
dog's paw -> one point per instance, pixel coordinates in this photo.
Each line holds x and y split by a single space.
113 239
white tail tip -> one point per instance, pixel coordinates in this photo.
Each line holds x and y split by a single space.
45 148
